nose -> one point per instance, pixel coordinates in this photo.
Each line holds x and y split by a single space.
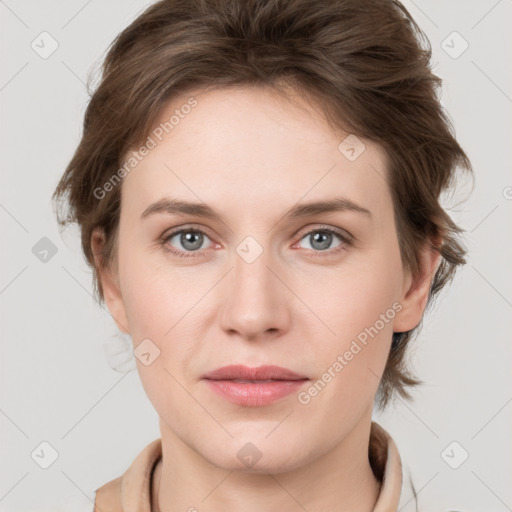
256 305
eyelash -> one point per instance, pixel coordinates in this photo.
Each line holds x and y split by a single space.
346 240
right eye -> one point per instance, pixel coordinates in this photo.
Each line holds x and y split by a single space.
190 239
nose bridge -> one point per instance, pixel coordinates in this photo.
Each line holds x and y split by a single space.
255 302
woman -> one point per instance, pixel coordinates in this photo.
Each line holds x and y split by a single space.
257 188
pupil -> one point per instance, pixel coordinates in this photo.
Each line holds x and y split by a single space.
188 238
326 242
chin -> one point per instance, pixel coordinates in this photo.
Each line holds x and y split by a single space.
257 456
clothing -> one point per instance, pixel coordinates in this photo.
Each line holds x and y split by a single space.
131 492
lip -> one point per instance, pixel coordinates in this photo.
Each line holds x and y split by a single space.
228 383
238 371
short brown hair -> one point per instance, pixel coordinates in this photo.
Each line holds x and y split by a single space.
365 64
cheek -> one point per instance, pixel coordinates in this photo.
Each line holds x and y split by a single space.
359 304
160 303
355 296
155 296
157 311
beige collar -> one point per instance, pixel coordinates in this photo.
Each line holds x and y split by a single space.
131 492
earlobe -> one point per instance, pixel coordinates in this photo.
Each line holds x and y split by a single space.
109 282
416 291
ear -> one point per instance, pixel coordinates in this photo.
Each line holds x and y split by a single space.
109 279
416 289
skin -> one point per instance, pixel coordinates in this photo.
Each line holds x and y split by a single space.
252 154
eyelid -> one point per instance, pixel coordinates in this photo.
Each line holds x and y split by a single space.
187 227
343 233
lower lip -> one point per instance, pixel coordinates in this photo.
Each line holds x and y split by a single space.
255 394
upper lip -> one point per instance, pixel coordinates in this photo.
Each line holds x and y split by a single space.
246 373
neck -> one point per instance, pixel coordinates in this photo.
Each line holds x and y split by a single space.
340 480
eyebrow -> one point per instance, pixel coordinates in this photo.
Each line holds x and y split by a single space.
173 206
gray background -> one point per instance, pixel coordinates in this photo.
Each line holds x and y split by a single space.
56 384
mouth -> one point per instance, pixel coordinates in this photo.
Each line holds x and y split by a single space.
258 374
254 381
254 387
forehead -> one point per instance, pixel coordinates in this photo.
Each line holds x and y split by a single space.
255 145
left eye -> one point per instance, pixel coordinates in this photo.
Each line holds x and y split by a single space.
321 239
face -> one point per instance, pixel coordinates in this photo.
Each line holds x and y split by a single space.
264 281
